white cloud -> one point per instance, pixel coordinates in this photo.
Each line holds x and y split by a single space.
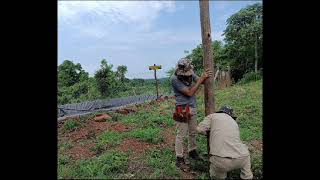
94 18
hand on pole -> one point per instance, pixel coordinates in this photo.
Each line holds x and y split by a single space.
206 74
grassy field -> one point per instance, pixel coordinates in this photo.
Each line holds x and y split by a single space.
140 144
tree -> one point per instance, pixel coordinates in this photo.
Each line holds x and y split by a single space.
243 36
137 82
72 82
70 73
219 56
121 71
196 57
105 79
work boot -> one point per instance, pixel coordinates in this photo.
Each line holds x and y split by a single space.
180 163
194 155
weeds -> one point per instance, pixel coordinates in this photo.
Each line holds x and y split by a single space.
163 161
110 137
148 123
106 166
71 125
149 134
65 145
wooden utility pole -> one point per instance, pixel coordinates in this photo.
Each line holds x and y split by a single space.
207 56
155 77
207 63
154 67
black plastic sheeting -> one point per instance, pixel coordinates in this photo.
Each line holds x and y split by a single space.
90 106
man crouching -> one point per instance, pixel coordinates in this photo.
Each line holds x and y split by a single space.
227 152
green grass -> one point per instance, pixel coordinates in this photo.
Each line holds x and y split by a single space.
110 137
71 125
246 100
64 166
84 118
149 122
66 172
107 139
63 159
203 176
98 148
138 119
151 117
163 163
202 144
106 166
150 134
115 117
256 164
65 145
251 76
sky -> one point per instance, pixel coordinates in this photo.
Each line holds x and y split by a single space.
137 34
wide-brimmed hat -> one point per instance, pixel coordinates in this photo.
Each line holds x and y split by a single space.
184 67
228 110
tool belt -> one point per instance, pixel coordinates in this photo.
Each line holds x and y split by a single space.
182 113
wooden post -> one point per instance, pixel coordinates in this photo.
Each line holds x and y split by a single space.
215 76
229 76
154 67
155 77
207 56
207 63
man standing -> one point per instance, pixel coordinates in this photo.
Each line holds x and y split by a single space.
185 84
227 152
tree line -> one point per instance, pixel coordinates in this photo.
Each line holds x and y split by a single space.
75 85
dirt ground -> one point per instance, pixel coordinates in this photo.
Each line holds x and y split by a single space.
81 144
82 141
79 151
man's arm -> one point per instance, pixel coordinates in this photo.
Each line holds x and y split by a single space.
205 125
196 78
191 91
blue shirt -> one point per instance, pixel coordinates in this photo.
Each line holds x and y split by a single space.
182 99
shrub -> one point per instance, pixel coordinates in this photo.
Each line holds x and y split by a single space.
251 76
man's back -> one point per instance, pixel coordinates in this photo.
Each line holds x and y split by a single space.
225 137
227 150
